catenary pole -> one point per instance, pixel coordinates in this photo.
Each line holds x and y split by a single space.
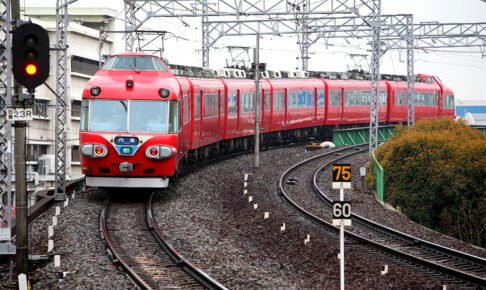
257 102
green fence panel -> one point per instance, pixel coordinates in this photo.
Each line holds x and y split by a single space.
360 135
480 128
379 172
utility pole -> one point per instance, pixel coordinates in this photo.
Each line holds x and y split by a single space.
257 103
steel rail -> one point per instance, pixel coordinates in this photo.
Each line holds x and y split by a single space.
181 262
415 242
399 254
131 273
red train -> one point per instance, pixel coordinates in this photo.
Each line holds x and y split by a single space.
140 124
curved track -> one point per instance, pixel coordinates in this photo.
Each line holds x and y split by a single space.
135 242
457 265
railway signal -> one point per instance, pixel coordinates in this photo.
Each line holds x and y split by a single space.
30 55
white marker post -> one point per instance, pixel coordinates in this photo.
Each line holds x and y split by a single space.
341 210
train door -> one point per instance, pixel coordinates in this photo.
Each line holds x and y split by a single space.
238 110
286 105
186 113
267 110
438 103
220 113
315 105
201 116
341 105
197 117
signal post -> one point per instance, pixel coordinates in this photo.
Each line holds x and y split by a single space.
341 210
30 67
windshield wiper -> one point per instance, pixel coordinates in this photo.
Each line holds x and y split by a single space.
133 67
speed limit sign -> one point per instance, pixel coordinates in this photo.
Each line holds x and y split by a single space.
341 176
341 212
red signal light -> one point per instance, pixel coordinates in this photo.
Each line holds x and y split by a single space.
31 69
154 151
99 150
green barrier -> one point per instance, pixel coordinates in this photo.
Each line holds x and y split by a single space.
379 172
480 128
360 136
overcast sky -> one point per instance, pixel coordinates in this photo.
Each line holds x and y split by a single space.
462 70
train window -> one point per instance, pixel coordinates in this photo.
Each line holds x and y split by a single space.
210 109
185 107
222 105
448 102
197 106
231 103
243 104
383 97
277 101
84 114
136 63
267 101
108 115
400 98
148 116
174 120
335 98
321 98
310 99
424 99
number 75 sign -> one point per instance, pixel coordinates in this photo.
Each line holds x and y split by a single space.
341 176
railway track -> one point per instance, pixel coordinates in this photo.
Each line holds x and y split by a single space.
457 267
136 243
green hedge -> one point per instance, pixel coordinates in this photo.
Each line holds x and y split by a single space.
436 174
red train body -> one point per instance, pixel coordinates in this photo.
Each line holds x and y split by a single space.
140 123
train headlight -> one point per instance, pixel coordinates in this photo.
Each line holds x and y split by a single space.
160 152
129 83
95 91
164 93
94 150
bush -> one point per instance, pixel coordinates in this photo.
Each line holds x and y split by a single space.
436 173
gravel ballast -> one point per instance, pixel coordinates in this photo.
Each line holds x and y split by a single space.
206 216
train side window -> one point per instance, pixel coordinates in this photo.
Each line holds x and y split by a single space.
223 100
84 114
321 98
335 98
449 102
174 120
399 98
197 106
383 97
267 101
185 107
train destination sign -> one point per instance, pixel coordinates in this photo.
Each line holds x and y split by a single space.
341 176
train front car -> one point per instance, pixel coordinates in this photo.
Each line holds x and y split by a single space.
130 128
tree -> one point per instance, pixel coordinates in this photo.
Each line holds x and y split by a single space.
436 173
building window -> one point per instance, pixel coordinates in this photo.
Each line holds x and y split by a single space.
76 108
75 154
34 151
84 65
40 107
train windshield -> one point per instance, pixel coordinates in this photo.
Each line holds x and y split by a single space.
129 116
136 63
